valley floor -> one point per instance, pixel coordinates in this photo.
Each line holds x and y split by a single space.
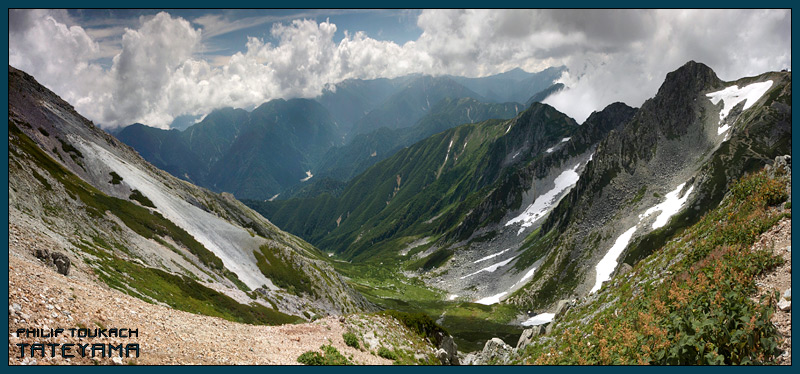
41 298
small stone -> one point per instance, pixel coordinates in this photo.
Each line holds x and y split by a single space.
117 360
788 293
785 305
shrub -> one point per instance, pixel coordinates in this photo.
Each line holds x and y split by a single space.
386 353
421 324
330 356
115 178
351 340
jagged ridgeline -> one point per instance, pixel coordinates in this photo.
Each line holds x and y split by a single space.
518 214
151 235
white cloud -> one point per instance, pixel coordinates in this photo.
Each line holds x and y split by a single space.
160 68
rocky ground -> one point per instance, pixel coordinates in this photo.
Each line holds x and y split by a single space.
779 279
39 297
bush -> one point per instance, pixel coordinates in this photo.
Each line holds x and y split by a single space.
115 178
330 356
351 340
386 353
421 324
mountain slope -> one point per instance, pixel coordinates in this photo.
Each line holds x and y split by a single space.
148 234
345 162
407 106
394 197
514 85
674 159
252 155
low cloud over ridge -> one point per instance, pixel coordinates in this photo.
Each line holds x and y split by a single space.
160 70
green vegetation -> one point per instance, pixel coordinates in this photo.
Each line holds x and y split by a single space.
281 271
420 323
115 178
142 199
179 292
387 353
702 312
330 356
351 340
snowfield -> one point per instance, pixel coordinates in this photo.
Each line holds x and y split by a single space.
491 299
733 95
539 319
232 244
542 205
491 256
607 265
671 205
490 269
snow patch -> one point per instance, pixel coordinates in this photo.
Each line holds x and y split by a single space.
230 243
274 197
671 205
308 176
525 277
452 297
733 95
539 319
607 265
491 256
541 206
490 269
566 139
491 299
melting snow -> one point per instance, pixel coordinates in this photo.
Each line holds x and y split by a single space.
733 95
539 319
607 265
492 256
525 277
225 240
308 176
668 207
490 269
491 299
564 182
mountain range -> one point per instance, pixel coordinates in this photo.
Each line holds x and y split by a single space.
442 198
276 149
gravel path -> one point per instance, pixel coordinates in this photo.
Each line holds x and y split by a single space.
779 279
41 298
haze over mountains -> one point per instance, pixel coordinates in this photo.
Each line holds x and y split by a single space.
352 125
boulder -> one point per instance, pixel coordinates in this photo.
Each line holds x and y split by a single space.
785 305
441 354
528 335
562 307
495 351
61 261
450 347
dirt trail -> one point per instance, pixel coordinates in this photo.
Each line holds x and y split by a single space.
779 279
41 298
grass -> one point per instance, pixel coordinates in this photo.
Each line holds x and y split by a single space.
690 301
149 284
141 198
329 356
281 271
351 340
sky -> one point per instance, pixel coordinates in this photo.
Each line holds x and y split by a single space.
118 67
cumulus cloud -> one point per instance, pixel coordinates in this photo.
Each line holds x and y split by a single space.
160 71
